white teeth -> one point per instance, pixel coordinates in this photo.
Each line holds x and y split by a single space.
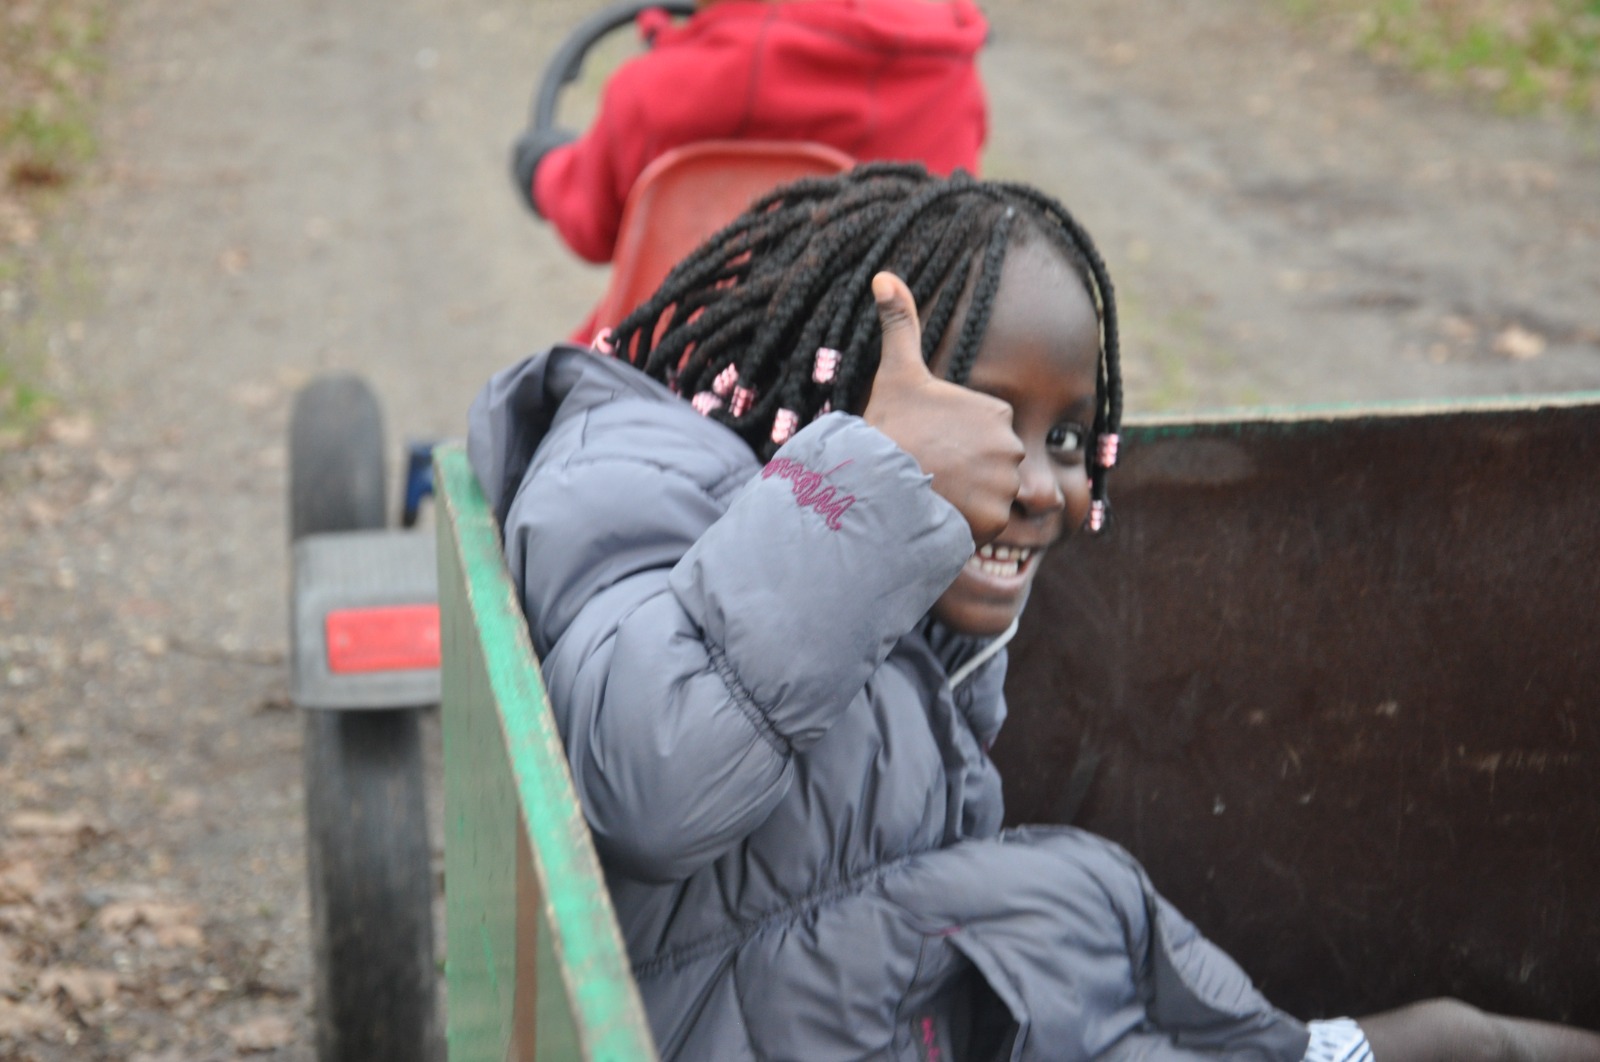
1003 561
1005 553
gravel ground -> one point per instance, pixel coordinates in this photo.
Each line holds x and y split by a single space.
297 187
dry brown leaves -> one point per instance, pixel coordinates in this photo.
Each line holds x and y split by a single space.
265 1032
75 960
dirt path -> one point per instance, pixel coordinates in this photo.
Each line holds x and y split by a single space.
1287 224
294 187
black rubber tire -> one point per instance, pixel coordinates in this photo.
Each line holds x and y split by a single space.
371 890
336 473
367 848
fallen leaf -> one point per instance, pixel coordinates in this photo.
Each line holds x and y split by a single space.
266 1033
172 925
255 395
84 987
174 992
19 918
94 654
20 882
66 746
10 972
50 824
36 173
26 1019
42 513
1524 176
1458 328
19 229
186 937
123 915
1519 344
184 802
73 430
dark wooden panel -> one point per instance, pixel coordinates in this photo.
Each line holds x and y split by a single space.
1335 682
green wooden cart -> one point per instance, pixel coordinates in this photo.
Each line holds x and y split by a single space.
1333 679
536 969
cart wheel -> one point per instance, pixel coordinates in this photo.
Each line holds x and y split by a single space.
367 846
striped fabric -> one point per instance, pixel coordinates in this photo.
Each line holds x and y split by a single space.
1337 1040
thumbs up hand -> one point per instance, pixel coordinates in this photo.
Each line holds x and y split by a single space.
962 438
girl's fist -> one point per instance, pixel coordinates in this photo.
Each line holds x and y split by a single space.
962 438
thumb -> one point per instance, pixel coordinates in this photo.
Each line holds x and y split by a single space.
902 331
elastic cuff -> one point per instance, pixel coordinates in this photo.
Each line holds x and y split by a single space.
1337 1040
747 704
526 154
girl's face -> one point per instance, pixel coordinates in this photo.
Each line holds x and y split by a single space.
1040 355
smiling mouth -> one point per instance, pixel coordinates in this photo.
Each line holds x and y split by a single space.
1001 562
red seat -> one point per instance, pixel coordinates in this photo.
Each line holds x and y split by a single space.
686 195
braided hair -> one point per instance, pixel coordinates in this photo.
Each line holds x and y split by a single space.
771 323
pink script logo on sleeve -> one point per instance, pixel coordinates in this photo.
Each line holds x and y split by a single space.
810 490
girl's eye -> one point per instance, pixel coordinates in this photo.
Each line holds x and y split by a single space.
1066 440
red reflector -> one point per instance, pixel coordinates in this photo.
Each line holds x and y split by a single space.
393 638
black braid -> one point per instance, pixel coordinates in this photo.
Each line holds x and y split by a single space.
792 274
988 282
1108 406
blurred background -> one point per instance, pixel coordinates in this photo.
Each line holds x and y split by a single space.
204 205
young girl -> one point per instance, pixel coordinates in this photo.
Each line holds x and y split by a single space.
770 578
877 79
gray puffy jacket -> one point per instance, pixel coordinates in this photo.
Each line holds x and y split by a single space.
800 827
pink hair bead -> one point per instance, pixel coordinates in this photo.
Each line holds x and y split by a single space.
723 384
743 399
1097 516
827 407
783 425
827 365
705 403
1108 449
602 342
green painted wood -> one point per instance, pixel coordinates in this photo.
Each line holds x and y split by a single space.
504 765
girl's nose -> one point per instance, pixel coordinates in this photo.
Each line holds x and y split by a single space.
1041 491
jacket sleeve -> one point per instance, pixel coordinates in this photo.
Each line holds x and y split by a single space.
580 187
686 689
676 94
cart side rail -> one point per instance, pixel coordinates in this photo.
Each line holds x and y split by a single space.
536 967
